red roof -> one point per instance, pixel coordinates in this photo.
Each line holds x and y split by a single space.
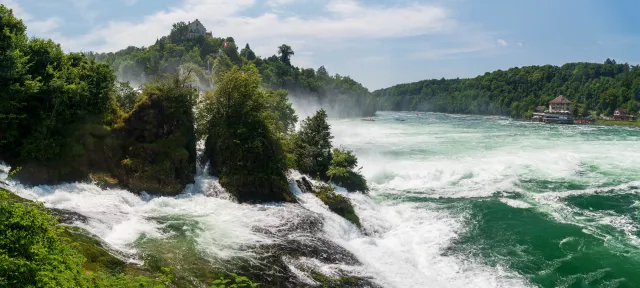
622 111
540 108
560 99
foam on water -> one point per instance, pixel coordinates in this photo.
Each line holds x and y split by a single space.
402 242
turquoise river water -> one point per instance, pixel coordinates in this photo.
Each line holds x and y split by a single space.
548 205
456 201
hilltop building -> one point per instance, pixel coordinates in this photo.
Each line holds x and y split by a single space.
197 29
560 105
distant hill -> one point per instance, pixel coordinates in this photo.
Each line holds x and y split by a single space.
592 87
188 47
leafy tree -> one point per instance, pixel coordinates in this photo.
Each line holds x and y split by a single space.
243 147
45 91
127 96
179 32
247 53
285 52
280 107
312 145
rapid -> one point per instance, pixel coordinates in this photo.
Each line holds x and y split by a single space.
455 201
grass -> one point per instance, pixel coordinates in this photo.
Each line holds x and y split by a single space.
619 123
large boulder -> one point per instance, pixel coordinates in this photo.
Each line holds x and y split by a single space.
155 147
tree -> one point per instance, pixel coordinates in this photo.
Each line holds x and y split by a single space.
16 82
247 53
243 147
312 145
284 115
285 52
127 96
179 32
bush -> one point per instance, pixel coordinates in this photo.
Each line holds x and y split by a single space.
342 172
34 252
338 204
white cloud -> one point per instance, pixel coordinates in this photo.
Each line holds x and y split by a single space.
520 44
502 42
344 23
83 9
278 3
268 30
345 7
35 27
447 53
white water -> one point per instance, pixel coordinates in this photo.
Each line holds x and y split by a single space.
402 242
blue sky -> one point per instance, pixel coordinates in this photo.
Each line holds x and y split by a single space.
379 43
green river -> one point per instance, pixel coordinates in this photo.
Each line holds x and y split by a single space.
456 201
540 204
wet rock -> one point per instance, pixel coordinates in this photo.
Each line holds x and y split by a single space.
305 185
68 217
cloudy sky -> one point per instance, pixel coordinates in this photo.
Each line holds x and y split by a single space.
379 43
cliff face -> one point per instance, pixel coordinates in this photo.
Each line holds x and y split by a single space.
156 147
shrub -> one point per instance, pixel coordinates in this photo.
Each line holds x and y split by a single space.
342 171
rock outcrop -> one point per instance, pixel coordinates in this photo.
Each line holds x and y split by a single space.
155 147
337 203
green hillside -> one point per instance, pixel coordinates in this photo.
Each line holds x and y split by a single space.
594 88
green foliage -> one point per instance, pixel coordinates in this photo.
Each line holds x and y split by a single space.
338 203
127 96
158 138
342 171
30 252
44 92
279 107
243 144
34 252
312 145
635 123
238 281
515 92
346 97
285 52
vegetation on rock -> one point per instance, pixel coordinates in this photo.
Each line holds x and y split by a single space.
312 146
156 141
517 91
342 171
337 203
244 138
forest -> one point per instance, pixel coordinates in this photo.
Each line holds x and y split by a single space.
205 56
595 89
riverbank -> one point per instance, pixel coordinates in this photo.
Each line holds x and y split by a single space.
619 123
